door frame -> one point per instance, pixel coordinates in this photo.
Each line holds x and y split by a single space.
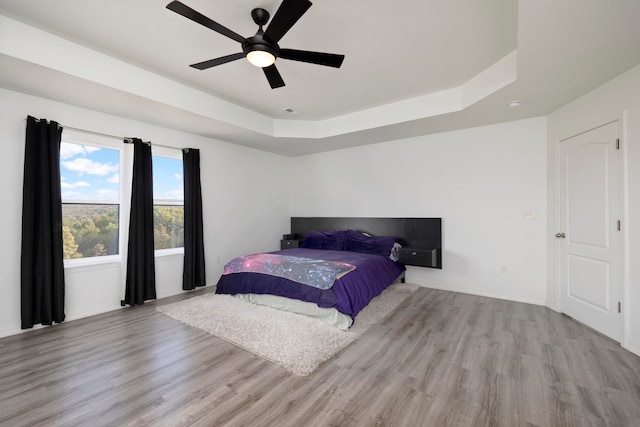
624 242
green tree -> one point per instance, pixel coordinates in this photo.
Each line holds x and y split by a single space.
94 229
98 250
86 234
109 238
161 238
69 247
168 226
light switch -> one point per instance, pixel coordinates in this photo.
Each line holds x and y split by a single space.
528 215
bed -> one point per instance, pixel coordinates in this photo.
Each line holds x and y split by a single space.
332 275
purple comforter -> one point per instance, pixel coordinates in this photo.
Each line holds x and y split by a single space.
349 294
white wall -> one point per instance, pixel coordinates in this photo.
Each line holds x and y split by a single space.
617 99
245 204
480 181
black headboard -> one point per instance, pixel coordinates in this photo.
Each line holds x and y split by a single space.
417 233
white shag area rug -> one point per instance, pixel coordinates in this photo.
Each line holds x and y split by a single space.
296 342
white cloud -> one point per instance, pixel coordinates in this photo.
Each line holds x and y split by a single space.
177 176
72 195
75 184
177 194
82 165
105 194
68 150
114 179
171 195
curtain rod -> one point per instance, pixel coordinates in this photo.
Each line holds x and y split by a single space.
127 140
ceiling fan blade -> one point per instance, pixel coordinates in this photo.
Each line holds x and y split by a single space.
285 17
218 61
320 58
187 12
274 77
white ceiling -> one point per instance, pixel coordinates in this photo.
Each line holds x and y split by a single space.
412 67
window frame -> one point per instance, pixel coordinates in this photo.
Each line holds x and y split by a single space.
95 140
171 153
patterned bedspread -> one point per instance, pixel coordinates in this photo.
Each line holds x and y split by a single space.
317 273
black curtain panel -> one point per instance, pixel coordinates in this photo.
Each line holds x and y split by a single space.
141 276
194 271
41 261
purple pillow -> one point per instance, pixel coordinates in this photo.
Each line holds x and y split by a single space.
356 241
328 240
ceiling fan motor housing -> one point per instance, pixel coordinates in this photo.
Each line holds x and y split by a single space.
257 42
260 17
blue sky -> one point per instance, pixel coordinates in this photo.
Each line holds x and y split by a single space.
167 179
91 173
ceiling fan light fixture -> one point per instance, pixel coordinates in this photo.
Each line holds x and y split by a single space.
261 58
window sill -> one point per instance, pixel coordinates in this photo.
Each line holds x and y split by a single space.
161 253
88 263
112 260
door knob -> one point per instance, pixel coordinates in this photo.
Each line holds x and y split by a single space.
561 235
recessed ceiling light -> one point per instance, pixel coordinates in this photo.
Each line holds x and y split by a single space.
514 104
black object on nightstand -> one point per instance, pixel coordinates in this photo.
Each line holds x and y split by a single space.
420 257
290 243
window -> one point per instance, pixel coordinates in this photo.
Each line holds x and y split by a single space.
90 200
168 200
95 180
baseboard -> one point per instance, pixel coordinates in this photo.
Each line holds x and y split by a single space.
633 347
14 330
553 307
69 317
75 315
166 294
81 314
462 290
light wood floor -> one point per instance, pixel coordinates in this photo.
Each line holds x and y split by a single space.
442 359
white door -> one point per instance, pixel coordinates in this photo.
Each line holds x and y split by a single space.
588 234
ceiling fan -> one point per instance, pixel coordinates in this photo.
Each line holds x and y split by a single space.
262 49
